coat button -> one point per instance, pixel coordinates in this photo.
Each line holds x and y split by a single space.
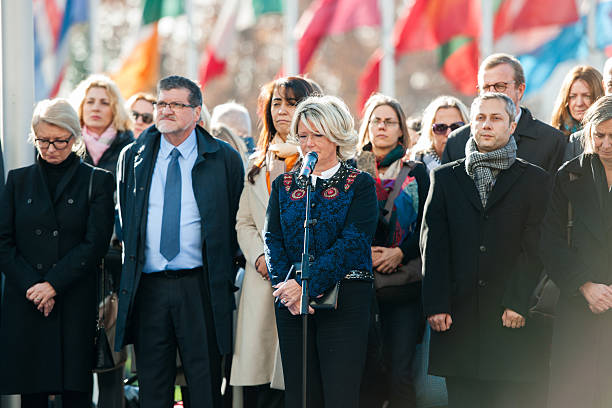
312 205
483 248
38 232
141 188
123 292
53 266
132 258
70 201
39 266
482 283
55 233
29 201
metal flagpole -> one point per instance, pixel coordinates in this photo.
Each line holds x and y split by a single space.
387 66
192 60
486 36
290 56
95 57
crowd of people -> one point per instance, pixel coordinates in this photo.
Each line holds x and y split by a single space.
435 231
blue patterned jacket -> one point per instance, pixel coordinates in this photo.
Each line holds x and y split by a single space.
346 210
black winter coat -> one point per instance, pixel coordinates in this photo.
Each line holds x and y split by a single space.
478 262
581 340
60 240
537 143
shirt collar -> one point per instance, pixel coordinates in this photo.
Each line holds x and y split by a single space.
518 115
329 172
185 148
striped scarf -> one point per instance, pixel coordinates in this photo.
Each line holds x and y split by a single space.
483 168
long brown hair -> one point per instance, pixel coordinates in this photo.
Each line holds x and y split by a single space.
295 87
561 118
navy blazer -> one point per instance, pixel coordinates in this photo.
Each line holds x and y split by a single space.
217 178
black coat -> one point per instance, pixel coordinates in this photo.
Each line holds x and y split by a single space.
59 240
537 142
109 158
217 177
581 340
478 262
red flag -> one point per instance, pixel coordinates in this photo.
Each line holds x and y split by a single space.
329 17
516 15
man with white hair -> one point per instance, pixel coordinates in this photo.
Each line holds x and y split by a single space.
574 147
236 117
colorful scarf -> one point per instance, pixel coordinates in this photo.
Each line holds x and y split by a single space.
483 168
97 144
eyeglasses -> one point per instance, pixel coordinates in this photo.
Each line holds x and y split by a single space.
441 128
147 118
172 105
58 144
498 86
387 122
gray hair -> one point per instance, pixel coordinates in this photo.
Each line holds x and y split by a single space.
329 116
179 82
58 112
598 112
233 110
508 104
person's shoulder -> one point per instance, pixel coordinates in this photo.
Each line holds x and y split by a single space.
543 130
531 167
459 135
448 168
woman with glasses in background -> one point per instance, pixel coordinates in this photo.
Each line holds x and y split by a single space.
56 219
140 106
443 115
106 128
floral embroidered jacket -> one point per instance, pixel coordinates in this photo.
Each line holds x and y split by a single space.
346 212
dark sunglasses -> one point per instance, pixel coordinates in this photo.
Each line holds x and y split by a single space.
441 128
147 118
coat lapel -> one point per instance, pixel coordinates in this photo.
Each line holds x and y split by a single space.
504 182
583 195
144 163
467 184
203 181
261 187
61 186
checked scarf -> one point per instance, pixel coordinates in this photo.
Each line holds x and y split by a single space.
483 168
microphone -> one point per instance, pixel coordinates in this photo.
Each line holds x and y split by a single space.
310 161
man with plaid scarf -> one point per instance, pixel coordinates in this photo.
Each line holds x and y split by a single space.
479 242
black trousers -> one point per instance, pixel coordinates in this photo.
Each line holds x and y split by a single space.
472 393
337 341
171 313
70 399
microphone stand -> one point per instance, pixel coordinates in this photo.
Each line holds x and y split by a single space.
305 275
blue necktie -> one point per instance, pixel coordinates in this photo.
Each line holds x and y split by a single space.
171 218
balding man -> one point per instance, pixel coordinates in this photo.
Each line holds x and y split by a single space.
574 147
537 142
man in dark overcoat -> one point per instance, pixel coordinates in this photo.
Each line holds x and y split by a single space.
479 243
537 142
178 194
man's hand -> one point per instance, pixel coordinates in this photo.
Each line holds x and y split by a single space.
40 293
386 260
440 322
512 319
47 307
261 267
599 296
290 295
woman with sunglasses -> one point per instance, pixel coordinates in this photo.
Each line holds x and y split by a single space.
56 219
443 115
140 106
106 128
383 138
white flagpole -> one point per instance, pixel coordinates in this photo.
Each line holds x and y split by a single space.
486 36
17 83
591 26
387 66
290 55
192 59
95 45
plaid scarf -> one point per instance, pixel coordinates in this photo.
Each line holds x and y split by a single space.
483 168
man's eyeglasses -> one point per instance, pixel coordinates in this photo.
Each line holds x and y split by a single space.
172 105
147 118
387 122
441 128
498 86
57 144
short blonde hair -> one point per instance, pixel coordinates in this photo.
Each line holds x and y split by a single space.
329 116
144 96
121 119
425 141
600 111
58 112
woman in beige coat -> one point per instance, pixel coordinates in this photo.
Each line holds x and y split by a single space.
256 362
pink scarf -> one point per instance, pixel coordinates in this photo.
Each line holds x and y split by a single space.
97 144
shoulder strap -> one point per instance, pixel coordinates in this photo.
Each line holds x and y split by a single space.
93 169
397 187
570 214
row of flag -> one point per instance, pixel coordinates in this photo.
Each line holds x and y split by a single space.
541 33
